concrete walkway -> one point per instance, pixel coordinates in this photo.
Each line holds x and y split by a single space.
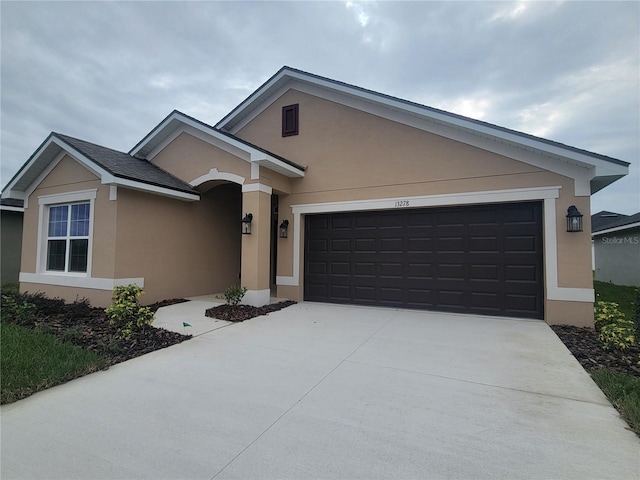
331 392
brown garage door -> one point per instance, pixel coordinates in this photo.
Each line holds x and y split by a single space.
483 259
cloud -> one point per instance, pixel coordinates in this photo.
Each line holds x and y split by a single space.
108 72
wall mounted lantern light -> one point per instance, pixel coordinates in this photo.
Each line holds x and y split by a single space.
284 229
574 219
246 224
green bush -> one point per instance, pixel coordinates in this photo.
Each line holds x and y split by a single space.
614 330
125 313
16 310
233 295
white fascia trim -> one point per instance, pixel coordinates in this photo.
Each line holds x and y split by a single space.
257 187
257 298
277 165
616 229
207 135
7 208
571 294
464 198
214 174
78 281
144 187
42 176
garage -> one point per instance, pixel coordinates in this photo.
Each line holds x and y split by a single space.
484 259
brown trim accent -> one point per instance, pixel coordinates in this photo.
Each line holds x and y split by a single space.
290 120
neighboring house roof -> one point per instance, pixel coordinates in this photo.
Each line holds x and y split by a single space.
12 204
601 219
591 171
623 222
111 166
177 122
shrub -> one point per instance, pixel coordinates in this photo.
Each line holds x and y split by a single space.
15 309
614 330
233 295
125 313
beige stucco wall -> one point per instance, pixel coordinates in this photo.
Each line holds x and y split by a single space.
66 177
179 248
353 155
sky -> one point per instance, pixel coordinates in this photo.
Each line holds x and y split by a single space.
109 72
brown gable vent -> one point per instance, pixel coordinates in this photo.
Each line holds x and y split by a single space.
290 120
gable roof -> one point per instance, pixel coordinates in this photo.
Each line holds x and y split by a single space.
111 166
614 224
177 122
591 171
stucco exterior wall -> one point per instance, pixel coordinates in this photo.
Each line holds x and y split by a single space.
179 248
11 243
617 257
353 155
66 177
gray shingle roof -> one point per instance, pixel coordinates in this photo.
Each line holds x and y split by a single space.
125 166
606 220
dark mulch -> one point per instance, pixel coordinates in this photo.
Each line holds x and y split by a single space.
88 327
240 313
583 343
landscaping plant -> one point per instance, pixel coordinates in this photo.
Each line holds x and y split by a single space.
126 313
233 295
614 329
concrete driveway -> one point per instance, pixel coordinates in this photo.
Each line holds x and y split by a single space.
325 391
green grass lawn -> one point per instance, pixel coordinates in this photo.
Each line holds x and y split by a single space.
625 297
32 361
622 390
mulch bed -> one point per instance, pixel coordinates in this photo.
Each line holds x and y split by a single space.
88 327
583 343
240 313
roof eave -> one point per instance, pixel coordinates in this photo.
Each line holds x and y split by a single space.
615 229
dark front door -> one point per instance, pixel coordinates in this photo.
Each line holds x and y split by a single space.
483 259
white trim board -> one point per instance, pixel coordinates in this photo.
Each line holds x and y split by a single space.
79 281
547 194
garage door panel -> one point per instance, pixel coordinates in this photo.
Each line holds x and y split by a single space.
362 269
479 259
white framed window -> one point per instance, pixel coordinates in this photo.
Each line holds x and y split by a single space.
65 233
68 237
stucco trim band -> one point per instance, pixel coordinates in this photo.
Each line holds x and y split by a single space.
547 194
79 281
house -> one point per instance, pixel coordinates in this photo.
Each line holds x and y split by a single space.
616 245
350 196
11 212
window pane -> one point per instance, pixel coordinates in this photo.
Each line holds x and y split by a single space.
58 221
78 257
80 220
56 254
